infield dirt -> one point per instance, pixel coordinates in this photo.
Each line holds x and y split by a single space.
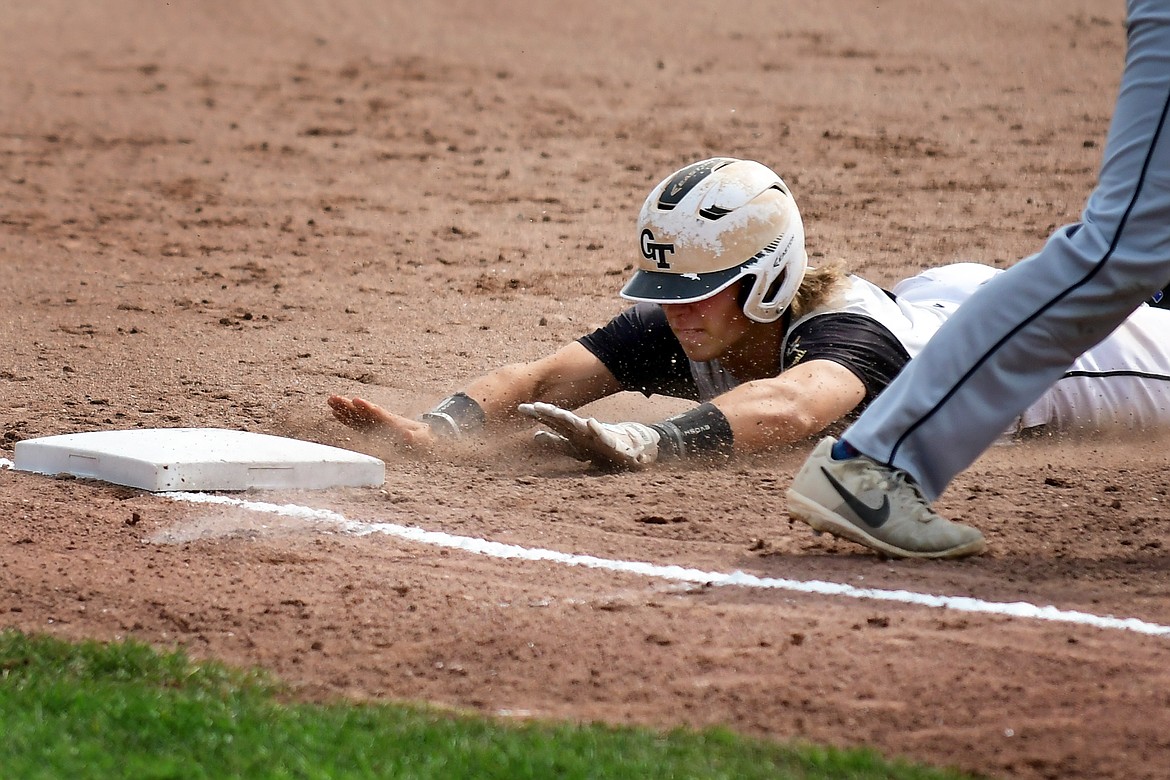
217 214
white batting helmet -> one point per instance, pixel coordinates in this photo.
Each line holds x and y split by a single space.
712 223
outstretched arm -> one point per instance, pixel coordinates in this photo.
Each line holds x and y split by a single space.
752 417
571 376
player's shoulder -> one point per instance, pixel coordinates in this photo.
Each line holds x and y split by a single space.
854 295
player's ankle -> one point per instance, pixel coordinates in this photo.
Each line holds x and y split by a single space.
843 450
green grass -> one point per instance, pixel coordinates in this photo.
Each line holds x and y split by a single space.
124 710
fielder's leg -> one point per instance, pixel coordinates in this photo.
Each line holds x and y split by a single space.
1020 331
1014 337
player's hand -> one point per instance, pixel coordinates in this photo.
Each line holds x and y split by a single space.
627 445
361 415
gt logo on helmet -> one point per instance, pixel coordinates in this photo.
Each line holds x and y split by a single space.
654 250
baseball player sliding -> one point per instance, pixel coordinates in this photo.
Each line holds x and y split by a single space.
729 314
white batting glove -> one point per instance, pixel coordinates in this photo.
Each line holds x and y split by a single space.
627 445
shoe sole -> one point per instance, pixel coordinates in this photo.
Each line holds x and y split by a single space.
822 519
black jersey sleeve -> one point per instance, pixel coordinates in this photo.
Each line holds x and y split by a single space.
859 343
640 350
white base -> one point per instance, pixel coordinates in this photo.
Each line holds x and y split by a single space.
197 459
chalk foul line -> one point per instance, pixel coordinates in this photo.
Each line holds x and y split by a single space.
492 549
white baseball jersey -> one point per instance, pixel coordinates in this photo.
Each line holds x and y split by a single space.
1121 383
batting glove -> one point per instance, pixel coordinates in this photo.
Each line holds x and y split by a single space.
627 445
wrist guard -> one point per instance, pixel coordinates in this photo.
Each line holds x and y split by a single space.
455 416
699 432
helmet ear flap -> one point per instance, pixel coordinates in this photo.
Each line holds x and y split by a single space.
769 296
778 275
773 290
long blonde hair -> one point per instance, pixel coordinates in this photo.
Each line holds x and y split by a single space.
818 287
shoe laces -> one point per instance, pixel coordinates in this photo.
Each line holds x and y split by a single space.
896 483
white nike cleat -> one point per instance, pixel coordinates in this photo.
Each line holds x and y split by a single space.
880 507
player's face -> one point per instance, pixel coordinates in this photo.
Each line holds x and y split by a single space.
708 328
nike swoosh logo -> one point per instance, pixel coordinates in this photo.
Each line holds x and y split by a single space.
873 516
